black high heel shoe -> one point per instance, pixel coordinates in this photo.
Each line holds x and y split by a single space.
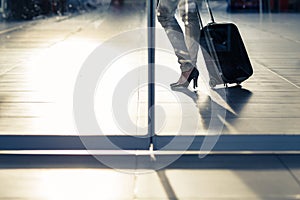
193 76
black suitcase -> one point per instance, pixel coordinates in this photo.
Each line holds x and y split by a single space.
224 52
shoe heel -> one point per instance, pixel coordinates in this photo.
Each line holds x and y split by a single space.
195 80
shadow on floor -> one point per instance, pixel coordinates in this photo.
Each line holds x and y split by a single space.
224 102
222 161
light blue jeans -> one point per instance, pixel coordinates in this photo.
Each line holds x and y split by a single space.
186 45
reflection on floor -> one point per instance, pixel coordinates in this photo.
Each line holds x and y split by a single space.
41 63
214 177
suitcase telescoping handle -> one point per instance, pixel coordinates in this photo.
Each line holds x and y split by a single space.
199 18
209 11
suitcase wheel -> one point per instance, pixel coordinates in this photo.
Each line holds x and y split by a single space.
212 83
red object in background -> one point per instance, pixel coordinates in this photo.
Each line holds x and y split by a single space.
283 5
58 6
243 4
279 5
267 5
54 6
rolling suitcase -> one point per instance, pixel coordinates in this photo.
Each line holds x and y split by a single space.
224 52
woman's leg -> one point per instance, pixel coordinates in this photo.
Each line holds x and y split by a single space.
188 13
166 16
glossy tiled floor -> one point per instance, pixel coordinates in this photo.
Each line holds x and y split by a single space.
40 64
255 177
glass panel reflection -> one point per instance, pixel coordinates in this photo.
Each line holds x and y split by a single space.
265 104
41 59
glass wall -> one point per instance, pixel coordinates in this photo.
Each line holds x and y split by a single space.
73 68
81 68
263 108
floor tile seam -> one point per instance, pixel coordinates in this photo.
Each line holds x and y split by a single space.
288 169
278 75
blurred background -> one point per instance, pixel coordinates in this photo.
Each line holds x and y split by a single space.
28 9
